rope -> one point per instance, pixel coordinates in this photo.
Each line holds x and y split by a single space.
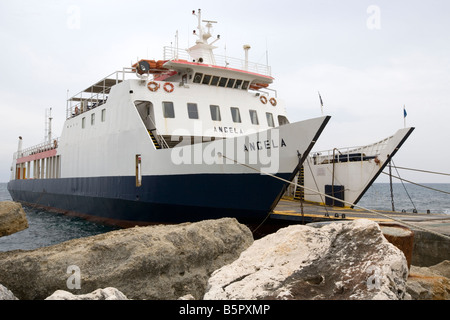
418 184
315 182
404 186
410 225
426 171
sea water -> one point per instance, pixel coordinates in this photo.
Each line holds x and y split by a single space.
432 197
48 228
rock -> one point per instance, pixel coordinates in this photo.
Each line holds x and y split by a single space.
99 294
155 262
429 283
12 218
6 294
350 260
187 297
442 268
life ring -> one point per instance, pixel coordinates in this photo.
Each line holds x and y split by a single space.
76 110
152 86
168 87
273 101
263 99
55 144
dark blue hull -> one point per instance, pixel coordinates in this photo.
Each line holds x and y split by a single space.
160 199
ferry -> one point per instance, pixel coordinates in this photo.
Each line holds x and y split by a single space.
189 137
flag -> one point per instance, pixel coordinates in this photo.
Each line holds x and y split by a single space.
321 102
404 116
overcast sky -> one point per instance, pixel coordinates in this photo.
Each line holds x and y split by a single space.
368 59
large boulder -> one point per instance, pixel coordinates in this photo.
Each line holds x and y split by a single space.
6 294
349 260
155 262
99 294
12 218
430 283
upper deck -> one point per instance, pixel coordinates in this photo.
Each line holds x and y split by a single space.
220 62
196 65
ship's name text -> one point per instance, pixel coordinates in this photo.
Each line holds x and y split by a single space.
228 130
265 144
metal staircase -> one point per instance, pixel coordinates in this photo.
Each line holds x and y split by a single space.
155 142
299 191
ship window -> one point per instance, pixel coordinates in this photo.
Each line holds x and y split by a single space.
83 122
198 77
168 110
235 114
103 115
245 85
238 84
206 79
215 80
215 113
192 110
269 117
92 119
223 82
254 117
282 120
230 83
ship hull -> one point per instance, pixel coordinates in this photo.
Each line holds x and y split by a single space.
233 177
164 199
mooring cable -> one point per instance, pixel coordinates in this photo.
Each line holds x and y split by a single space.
410 225
404 187
417 184
425 171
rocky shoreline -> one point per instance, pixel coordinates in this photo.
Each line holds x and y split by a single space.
220 260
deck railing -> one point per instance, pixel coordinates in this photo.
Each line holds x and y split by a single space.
95 95
171 53
348 154
41 147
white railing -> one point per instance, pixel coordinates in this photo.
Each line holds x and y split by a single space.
95 95
171 53
347 154
41 147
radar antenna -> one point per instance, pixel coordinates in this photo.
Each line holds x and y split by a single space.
203 35
202 51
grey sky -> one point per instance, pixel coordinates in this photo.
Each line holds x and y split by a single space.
367 59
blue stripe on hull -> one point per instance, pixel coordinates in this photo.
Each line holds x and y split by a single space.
160 199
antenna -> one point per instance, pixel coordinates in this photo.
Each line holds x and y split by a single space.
176 45
202 35
202 51
246 48
48 125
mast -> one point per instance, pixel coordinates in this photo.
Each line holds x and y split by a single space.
202 51
48 125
